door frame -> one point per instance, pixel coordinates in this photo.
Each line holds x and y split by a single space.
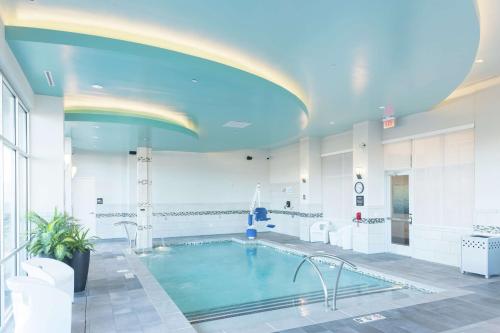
395 248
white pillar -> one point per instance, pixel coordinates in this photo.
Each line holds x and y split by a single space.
144 211
68 175
310 174
310 184
368 159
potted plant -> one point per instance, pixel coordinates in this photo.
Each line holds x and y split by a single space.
50 238
63 239
80 246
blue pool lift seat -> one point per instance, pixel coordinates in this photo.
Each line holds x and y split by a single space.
261 214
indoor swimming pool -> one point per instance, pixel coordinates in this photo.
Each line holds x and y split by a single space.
217 280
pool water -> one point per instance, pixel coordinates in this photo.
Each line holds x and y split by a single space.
211 280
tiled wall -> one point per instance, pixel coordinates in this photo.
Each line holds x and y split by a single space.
439 244
194 219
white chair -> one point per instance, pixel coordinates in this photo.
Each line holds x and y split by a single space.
342 237
39 307
319 231
54 272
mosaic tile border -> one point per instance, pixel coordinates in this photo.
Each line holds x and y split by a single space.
371 220
211 212
108 215
295 213
487 229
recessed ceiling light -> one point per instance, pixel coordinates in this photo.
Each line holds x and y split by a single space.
194 80
97 86
332 123
381 107
479 61
236 124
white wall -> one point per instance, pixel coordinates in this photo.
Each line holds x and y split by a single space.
13 72
182 182
457 114
443 188
284 181
338 143
487 156
208 178
47 154
114 174
215 182
337 188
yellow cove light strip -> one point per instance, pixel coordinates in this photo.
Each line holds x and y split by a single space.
123 107
146 34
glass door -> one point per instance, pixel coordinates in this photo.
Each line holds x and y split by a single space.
401 217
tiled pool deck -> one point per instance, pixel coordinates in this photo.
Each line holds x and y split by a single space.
122 296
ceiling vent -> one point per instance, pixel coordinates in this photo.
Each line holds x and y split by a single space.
49 78
236 124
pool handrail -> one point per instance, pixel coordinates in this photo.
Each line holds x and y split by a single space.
316 269
325 289
124 224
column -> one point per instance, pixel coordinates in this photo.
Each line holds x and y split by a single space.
144 210
310 184
369 235
68 175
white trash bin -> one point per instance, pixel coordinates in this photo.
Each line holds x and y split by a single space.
319 231
39 307
342 237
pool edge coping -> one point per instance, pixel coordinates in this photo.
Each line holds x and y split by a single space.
171 316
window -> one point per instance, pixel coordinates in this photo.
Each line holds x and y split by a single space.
14 180
8 114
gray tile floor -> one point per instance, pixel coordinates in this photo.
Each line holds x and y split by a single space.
114 303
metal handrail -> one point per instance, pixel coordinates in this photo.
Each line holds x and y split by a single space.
124 224
325 290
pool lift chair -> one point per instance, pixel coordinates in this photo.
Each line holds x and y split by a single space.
258 212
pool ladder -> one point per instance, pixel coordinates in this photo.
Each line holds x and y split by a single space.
341 264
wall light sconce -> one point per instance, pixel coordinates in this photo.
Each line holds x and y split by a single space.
359 173
67 159
74 169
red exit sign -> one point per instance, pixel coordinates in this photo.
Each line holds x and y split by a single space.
389 122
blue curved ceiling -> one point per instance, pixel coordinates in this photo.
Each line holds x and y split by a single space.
347 57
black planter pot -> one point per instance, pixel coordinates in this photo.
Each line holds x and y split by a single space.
80 264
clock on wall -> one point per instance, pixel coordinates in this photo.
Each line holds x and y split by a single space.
359 187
